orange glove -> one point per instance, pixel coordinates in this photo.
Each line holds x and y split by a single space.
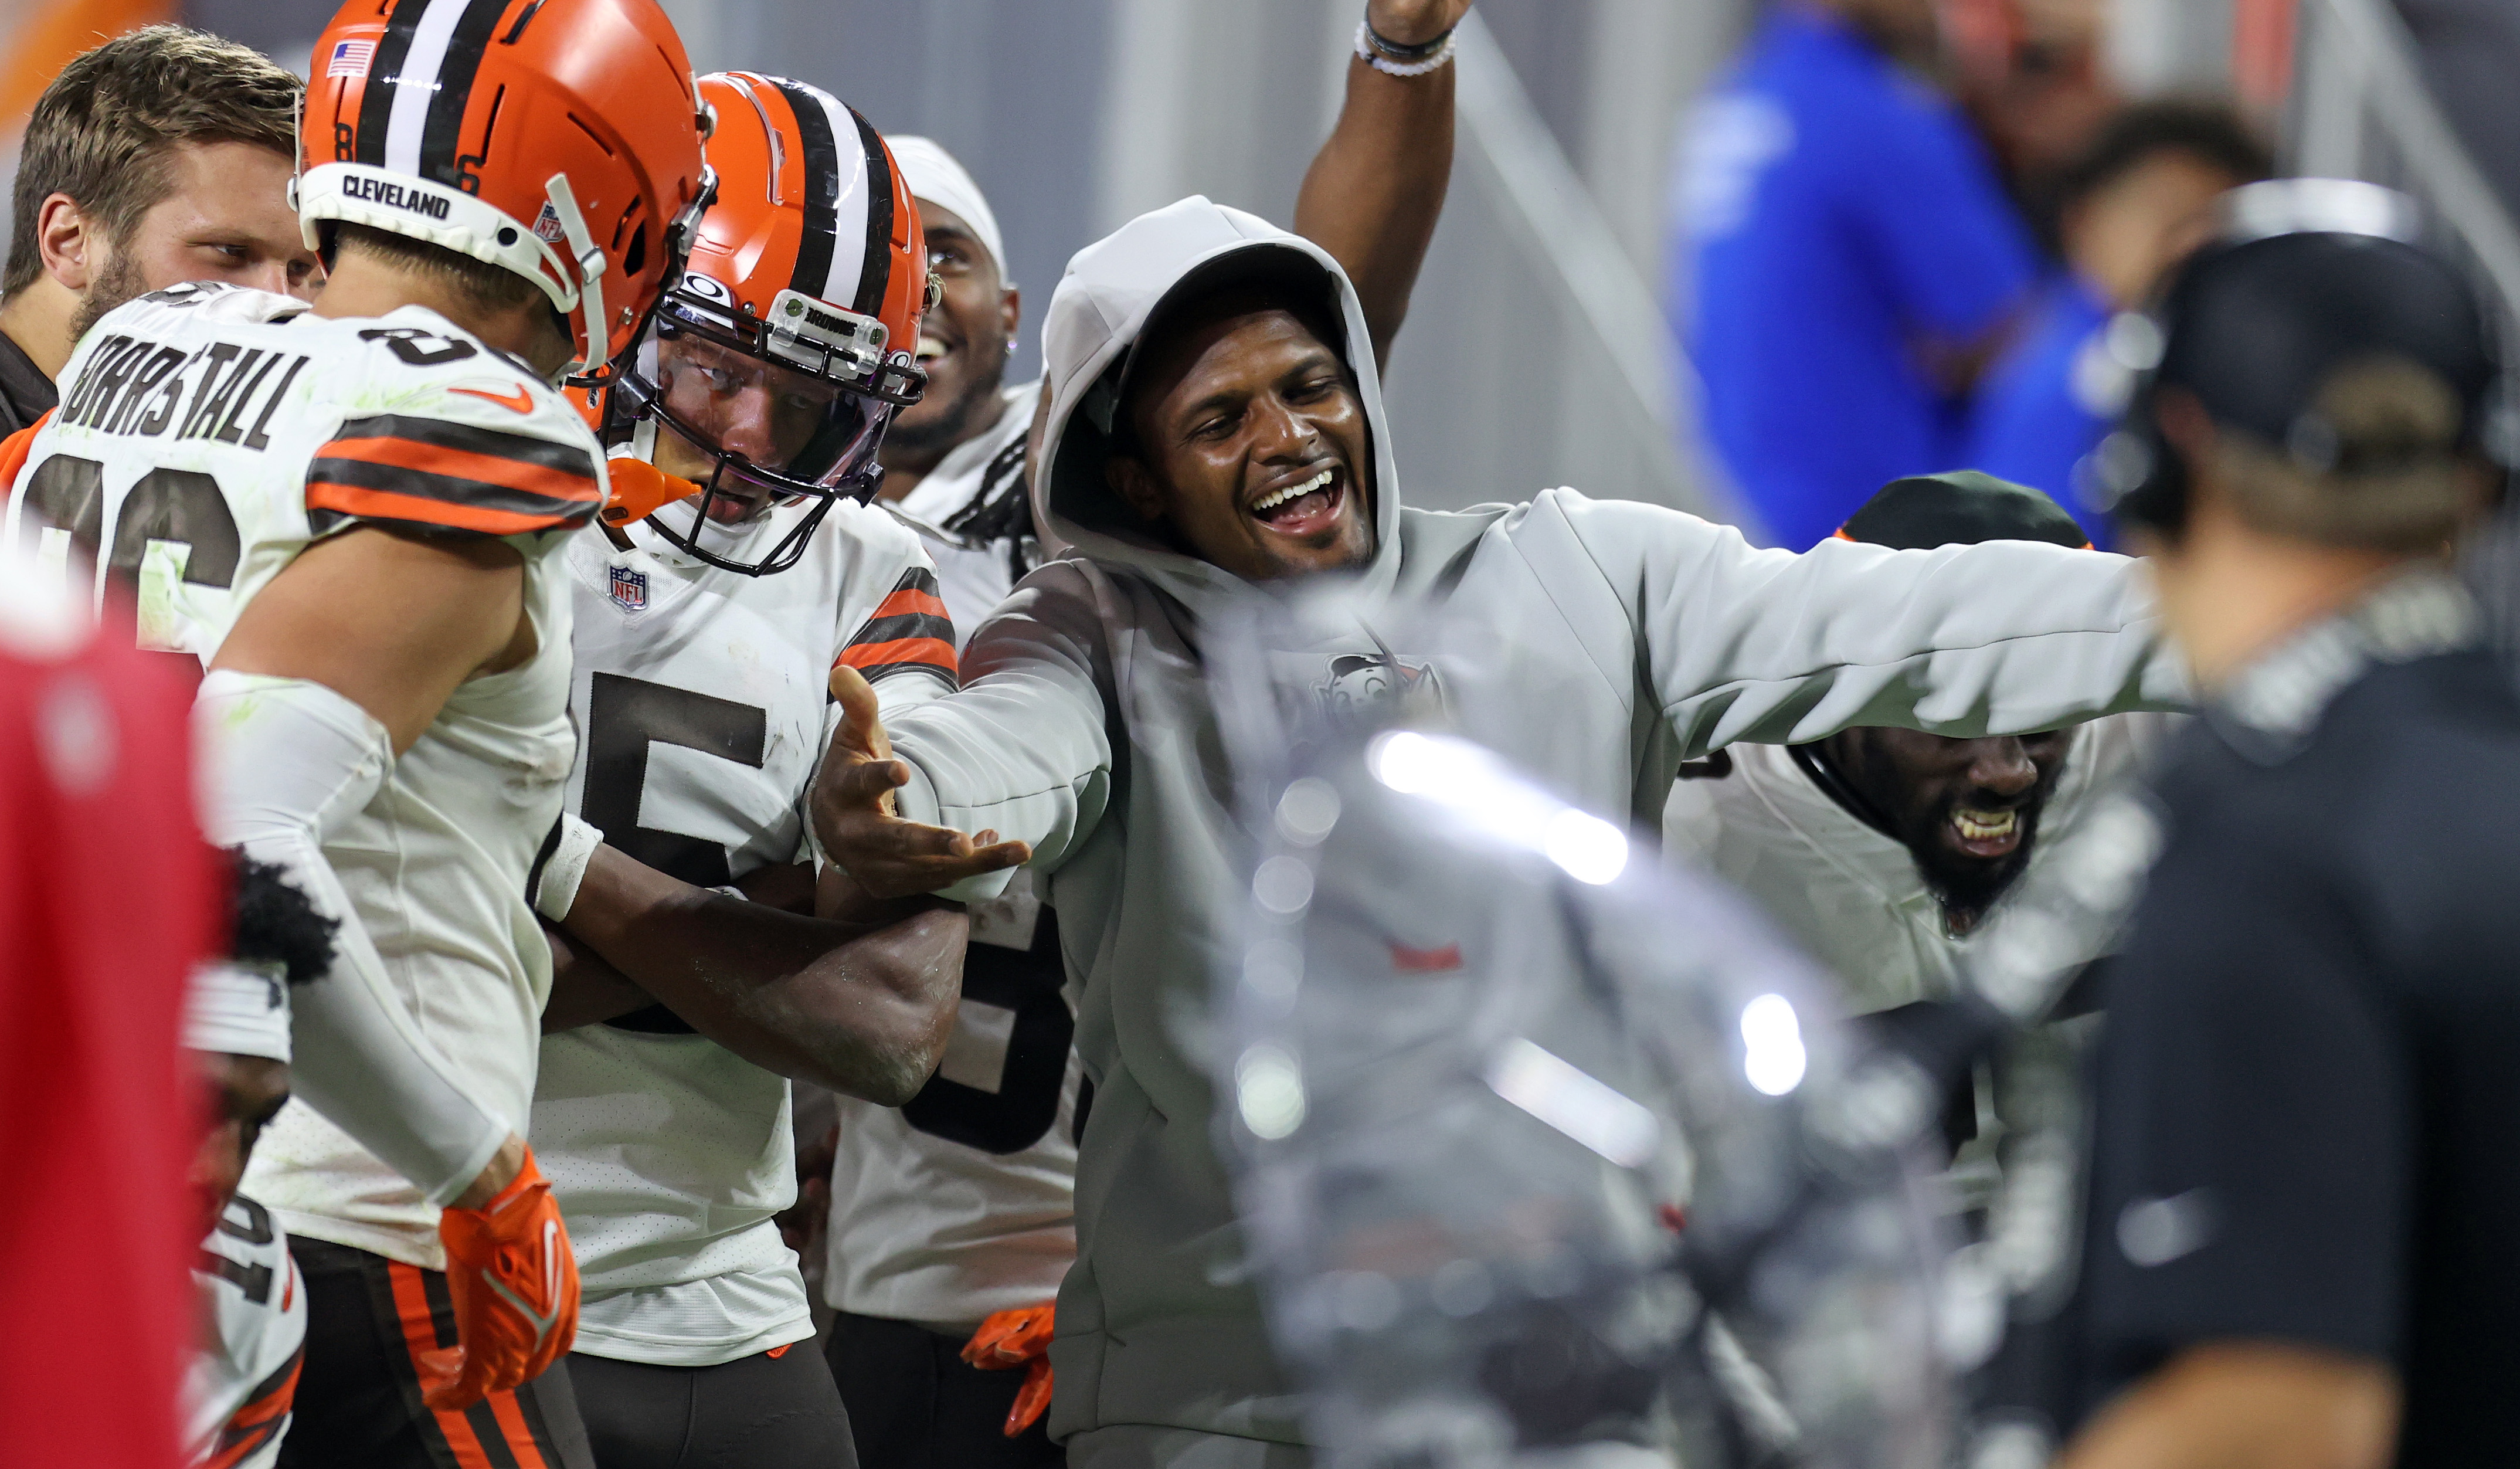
1018 1338
515 1284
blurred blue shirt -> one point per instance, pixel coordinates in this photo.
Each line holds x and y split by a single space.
2051 399
1836 213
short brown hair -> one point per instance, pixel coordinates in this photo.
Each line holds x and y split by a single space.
2376 463
486 287
103 131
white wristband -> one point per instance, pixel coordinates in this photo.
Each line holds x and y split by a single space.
558 890
1366 52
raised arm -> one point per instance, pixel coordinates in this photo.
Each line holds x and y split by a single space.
1374 190
861 1008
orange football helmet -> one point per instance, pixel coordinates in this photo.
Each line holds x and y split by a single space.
804 288
558 138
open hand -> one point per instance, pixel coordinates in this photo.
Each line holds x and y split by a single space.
1415 23
859 825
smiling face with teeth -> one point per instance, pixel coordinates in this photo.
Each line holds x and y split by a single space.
1246 442
963 350
1967 811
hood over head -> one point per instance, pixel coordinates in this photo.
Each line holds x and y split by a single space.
1113 289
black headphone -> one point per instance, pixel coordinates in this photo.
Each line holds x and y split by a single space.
2136 476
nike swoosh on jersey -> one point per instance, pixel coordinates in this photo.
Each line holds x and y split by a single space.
520 402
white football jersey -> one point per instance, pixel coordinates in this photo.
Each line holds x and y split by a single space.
206 436
963 1202
239 1382
703 698
1849 895
975 515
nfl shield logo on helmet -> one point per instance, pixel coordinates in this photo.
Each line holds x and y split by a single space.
547 226
630 589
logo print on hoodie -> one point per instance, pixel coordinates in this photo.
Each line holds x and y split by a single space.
1380 685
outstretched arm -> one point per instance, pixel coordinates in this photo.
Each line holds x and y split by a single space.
1374 190
1777 648
861 1008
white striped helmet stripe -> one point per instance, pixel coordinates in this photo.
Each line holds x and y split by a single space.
418 82
840 284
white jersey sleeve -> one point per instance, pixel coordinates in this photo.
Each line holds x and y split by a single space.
240 1382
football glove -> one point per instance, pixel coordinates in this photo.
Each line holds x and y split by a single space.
515 1285
1018 1338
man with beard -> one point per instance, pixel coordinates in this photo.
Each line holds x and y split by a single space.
1216 436
1885 852
160 157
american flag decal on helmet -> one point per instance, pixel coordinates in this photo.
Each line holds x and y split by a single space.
910 630
350 59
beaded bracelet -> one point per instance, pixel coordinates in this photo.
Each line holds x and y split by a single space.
1392 59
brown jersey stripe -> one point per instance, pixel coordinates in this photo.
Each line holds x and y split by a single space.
883 629
540 497
403 454
875 660
912 599
363 503
472 438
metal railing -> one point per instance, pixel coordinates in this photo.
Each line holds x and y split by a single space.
2359 109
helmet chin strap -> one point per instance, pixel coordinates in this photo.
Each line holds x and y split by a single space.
590 271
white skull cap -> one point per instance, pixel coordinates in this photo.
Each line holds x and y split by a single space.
936 178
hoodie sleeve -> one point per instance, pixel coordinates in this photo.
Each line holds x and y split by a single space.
1774 647
1022 748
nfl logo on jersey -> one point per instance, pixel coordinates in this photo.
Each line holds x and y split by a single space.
630 589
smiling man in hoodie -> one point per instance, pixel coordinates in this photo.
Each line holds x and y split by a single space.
1216 431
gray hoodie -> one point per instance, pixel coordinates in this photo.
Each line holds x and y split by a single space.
1085 727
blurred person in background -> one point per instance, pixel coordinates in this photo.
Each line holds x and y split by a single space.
2127 213
952 1218
2031 74
107 900
1847 261
242 1376
2298 1247
159 156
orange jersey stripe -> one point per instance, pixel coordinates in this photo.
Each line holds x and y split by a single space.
385 505
420 1334
908 650
459 464
911 600
519 1433
252 1426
